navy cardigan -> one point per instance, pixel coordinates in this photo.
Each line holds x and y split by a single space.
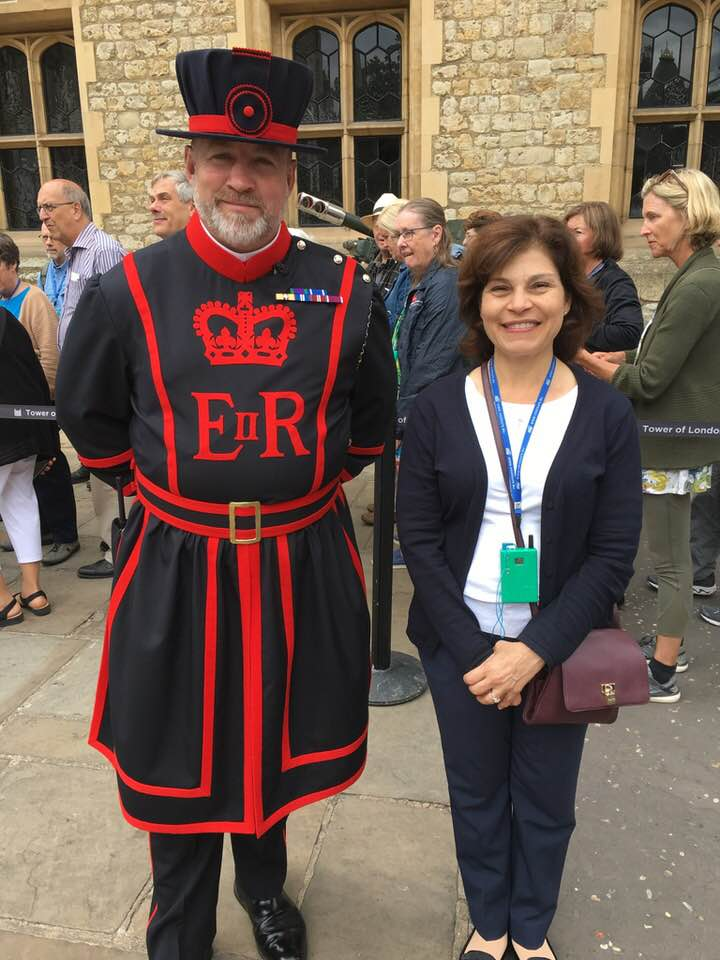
591 519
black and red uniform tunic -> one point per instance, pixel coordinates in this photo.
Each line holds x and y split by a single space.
234 676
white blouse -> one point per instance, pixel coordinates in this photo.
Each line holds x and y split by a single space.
482 588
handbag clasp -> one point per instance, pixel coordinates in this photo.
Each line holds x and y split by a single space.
608 691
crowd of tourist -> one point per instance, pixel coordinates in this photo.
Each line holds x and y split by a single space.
541 308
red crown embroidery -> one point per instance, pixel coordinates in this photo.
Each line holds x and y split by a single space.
254 335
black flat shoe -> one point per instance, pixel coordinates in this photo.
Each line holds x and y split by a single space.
482 954
513 955
278 926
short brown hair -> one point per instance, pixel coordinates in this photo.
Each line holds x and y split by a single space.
504 240
602 220
9 253
481 218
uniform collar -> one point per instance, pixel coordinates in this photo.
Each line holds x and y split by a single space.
222 260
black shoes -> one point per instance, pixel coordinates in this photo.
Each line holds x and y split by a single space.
482 954
278 926
100 570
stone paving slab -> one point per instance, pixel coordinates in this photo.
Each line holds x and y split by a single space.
73 601
384 884
62 863
49 738
26 661
15 946
393 732
71 691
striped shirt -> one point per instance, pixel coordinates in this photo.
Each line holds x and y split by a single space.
93 251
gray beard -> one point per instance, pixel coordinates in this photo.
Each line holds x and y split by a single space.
234 231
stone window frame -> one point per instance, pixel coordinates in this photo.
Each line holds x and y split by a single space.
696 113
33 45
346 25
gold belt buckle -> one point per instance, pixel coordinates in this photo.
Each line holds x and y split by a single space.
237 504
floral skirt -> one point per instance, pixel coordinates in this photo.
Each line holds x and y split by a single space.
693 480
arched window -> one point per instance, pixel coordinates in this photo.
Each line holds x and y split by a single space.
357 108
377 73
666 57
41 134
319 50
60 89
676 120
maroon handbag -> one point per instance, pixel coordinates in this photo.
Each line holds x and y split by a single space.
608 669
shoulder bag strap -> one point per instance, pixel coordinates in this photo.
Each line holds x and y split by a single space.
487 393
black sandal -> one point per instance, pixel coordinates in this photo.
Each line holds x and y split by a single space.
5 620
26 601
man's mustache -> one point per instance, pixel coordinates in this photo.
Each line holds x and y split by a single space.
248 199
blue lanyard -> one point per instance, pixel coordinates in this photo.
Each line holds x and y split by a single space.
513 473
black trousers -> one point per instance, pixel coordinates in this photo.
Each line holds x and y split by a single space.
56 500
186 876
512 797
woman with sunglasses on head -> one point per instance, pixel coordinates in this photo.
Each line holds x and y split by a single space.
572 457
674 378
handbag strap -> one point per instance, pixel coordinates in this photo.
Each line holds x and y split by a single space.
487 393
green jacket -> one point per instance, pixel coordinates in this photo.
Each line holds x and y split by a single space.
674 375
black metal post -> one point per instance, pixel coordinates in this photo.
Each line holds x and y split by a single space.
396 677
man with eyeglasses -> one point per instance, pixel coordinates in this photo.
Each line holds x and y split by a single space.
64 211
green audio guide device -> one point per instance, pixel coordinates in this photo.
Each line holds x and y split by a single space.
518 574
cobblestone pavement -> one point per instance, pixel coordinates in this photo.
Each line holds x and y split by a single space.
374 868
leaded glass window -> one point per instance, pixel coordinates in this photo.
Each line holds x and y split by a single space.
658 146
377 74
321 175
319 50
60 89
20 182
377 170
666 57
40 123
710 159
356 108
713 88
15 103
69 163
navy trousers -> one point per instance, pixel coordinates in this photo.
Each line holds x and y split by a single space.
186 876
56 501
512 797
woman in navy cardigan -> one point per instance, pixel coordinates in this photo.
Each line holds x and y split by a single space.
512 786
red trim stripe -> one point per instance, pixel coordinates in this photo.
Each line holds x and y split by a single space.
220 123
152 915
354 556
248 560
143 307
222 261
210 666
203 530
204 788
289 762
208 506
118 592
333 361
101 462
242 826
345 476
366 451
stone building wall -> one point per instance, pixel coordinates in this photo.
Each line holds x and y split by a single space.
515 85
135 90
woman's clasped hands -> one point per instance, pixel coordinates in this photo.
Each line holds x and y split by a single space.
500 680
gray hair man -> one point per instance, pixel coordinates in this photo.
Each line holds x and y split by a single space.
170 202
64 211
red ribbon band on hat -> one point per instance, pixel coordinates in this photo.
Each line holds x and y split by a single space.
219 123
